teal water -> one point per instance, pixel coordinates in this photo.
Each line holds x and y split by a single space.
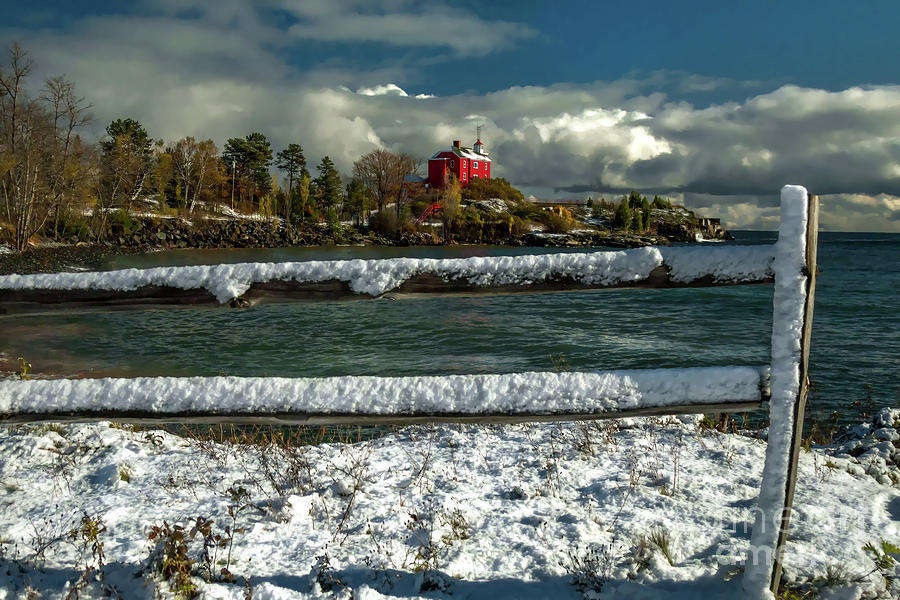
856 334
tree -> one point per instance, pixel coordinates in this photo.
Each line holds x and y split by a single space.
251 158
635 199
303 192
382 172
358 201
291 161
449 199
328 184
645 209
660 203
193 162
637 220
126 161
42 161
622 216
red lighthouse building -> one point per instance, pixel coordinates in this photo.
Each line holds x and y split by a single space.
466 163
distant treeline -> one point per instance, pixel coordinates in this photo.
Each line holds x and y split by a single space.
54 183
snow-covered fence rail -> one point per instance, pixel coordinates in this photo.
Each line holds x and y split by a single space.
250 283
513 397
791 264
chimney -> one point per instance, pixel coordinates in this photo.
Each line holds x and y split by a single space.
456 143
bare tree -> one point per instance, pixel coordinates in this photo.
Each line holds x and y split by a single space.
71 173
382 172
37 147
193 162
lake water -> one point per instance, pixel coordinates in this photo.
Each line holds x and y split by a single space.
856 333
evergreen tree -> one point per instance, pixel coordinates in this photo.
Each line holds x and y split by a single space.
634 199
622 216
645 209
660 203
125 163
637 220
328 184
293 163
251 158
358 200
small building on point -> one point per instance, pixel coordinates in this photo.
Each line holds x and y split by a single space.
466 163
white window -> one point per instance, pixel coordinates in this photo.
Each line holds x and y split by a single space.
475 175
464 163
474 164
452 164
464 176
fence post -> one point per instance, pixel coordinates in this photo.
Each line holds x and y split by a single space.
795 276
812 237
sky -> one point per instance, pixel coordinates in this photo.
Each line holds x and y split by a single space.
713 104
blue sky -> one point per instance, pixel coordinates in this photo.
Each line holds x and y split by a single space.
713 103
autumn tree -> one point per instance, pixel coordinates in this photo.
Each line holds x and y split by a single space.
382 172
126 162
293 163
301 198
449 199
41 157
194 164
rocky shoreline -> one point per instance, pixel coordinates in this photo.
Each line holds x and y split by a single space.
147 234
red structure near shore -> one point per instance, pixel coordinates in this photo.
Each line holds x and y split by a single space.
465 163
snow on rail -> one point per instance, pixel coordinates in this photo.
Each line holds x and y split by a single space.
531 393
376 277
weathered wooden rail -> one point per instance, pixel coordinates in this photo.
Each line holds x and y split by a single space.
790 264
245 285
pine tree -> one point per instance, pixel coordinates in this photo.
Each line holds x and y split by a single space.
634 199
328 184
357 199
622 216
293 163
637 220
251 158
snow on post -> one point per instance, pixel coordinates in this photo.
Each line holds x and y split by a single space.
787 333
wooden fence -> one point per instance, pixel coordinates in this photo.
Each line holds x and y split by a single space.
518 397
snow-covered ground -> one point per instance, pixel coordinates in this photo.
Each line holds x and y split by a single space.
616 509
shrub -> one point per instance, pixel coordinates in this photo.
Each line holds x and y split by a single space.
121 223
171 559
384 222
497 187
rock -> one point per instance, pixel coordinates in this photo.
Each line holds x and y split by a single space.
886 433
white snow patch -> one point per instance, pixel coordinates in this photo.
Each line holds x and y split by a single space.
525 500
375 277
513 393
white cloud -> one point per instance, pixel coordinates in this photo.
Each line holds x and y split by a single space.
225 77
403 23
390 89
